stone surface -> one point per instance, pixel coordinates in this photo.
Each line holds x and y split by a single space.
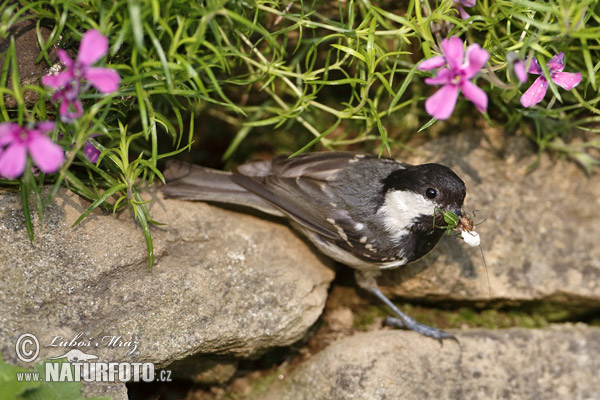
558 363
539 229
204 369
224 284
115 391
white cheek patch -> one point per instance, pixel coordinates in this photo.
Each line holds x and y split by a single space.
401 208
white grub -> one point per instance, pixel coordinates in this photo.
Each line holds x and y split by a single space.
471 238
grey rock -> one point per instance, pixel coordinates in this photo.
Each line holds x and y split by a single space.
557 363
224 284
115 391
539 232
204 369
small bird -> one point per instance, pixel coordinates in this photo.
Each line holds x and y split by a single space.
367 212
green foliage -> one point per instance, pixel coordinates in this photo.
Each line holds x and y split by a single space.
11 388
330 74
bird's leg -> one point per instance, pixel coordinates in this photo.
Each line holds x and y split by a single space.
366 280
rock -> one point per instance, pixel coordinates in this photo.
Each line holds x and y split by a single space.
113 391
224 284
558 363
204 369
539 229
340 319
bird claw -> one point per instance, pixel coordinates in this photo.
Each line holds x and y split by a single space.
420 328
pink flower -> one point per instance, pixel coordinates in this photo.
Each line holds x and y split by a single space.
16 141
93 47
455 77
519 68
70 106
461 10
537 91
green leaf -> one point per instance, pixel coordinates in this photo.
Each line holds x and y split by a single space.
161 55
141 212
26 189
587 58
427 125
135 14
403 88
10 387
109 192
317 138
241 135
16 81
350 51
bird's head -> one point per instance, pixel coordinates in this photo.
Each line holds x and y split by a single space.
412 200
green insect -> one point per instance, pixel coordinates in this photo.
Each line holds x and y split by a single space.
464 224
450 219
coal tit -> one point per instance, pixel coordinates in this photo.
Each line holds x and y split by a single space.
367 212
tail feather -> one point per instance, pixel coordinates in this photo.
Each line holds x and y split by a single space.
192 182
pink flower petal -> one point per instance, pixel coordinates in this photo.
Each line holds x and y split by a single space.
556 63
12 160
106 80
47 155
69 92
93 47
475 94
462 12
453 51
476 58
535 93
59 80
432 63
63 56
442 77
441 104
566 80
45 126
534 67
7 131
70 110
519 68
466 3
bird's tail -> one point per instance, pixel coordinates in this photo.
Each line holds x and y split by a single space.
192 182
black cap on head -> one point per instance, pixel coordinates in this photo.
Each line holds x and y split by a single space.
433 181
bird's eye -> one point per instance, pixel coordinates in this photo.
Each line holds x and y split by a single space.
431 193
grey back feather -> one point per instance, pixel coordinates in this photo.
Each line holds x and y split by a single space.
193 182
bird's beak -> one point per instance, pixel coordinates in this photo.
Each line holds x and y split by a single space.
456 210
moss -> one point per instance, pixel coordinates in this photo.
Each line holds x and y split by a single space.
365 317
526 316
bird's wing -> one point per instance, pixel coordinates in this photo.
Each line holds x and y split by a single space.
323 166
300 187
293 197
